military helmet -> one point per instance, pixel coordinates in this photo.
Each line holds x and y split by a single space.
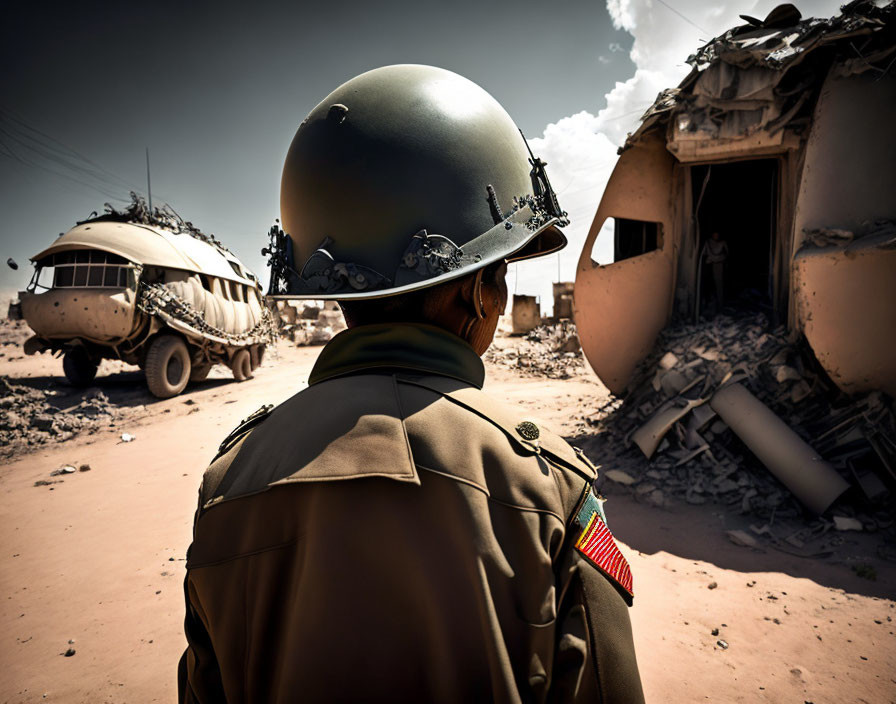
402 178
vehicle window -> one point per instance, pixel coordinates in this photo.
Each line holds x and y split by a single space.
87 269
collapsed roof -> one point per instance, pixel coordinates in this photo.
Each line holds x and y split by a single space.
755 86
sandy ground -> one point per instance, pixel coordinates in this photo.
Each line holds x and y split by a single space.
95 563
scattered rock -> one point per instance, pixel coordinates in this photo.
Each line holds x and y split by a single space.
620 477
657 498
711 585
668 361
42 422
785 373
68 653
84 468
29 418
127 437
715 631
741 538
846 523
545 351
723 644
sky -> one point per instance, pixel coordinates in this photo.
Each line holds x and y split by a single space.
216 90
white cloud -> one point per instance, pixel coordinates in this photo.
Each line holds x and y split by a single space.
603 60
581 149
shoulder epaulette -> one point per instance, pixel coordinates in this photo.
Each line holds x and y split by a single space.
244 426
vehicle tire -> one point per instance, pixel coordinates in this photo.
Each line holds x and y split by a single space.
167 366
241 365
199 372
79 368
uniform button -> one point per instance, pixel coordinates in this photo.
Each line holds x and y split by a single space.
528 430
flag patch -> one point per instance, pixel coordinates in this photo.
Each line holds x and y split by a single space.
597 544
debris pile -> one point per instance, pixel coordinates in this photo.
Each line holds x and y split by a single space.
550 350
28 417
308 322
13 333
165 217
665 437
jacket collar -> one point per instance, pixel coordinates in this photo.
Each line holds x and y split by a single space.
419 348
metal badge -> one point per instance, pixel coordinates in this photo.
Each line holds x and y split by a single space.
528 430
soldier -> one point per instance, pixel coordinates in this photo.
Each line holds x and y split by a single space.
715 253
391 533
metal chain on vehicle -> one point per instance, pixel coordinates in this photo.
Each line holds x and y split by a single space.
157 299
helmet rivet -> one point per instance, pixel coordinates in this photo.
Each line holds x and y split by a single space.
508 225
337 113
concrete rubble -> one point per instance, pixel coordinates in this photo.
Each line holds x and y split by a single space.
307 322
549 350
664 439
29 418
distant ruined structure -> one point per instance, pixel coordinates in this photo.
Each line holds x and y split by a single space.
782 140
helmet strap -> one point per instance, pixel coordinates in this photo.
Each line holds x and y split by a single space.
478 305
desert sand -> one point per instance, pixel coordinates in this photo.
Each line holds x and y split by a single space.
95 563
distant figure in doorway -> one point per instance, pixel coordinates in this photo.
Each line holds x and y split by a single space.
715 252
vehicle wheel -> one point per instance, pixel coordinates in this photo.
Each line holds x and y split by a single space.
199 372
167 366
79 368
241 364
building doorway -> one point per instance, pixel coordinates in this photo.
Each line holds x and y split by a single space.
738 201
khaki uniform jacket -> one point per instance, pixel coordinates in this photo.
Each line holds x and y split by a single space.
389 534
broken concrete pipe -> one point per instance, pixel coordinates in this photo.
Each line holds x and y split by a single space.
812 480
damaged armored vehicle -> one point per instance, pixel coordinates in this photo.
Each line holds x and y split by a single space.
147 288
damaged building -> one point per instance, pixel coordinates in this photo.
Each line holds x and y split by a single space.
781 140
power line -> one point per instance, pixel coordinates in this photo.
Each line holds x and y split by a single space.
694 24
55 158
12 153
42 146
68 151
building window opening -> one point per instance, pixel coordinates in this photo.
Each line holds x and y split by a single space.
632 238
735 212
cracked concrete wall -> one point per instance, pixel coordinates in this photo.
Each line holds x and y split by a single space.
845 297
621 307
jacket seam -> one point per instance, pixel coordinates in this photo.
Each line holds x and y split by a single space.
251 553
401 417
557 460
211 503
484 490
592 644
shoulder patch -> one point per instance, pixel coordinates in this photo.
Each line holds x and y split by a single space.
245 425
596 543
